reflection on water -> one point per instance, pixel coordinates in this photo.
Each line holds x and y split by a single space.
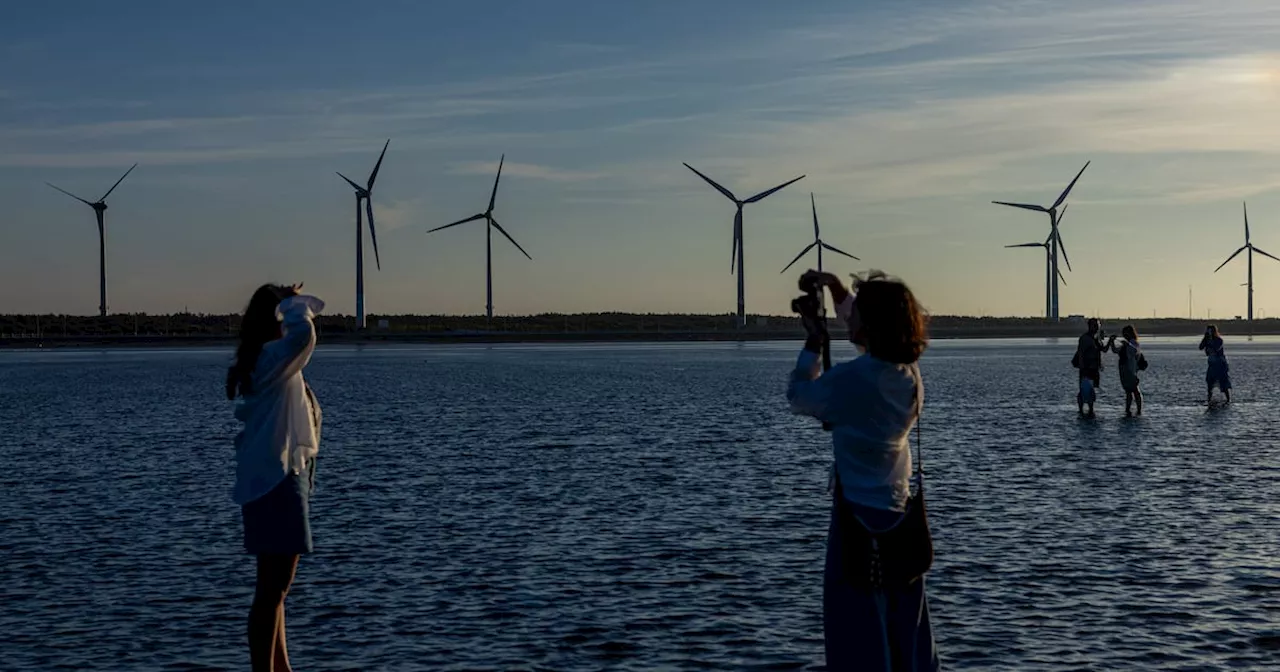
626 506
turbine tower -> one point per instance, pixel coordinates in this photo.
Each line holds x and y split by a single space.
817 242
99 209
365 194
1048 268
1247 246
1055 239
737 235
490 225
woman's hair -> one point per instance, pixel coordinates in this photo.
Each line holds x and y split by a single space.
1129 332
258 327
1213 329
893 325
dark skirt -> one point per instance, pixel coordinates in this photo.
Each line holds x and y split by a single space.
884 630
1218 374
278 523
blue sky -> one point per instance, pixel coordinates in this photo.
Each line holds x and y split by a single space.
908 119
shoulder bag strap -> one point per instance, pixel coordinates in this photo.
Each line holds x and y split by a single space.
919 394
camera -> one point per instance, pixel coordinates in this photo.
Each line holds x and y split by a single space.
810 303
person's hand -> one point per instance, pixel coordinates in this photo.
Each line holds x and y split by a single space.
293 290
819 278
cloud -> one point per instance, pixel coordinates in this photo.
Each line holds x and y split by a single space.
530 170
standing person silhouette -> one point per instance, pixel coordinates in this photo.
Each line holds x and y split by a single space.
1218 374
1131 362
876 620
1088 359
275 454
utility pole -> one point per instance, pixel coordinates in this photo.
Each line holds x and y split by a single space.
1191 313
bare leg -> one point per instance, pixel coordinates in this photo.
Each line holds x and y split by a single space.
1128 403
1228 395
281 656
1209 399
1137 397
266 625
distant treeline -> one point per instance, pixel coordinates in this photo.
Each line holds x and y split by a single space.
942 326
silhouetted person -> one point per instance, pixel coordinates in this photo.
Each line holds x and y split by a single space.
1131 362
871 404
275 454
1218 373
1088 359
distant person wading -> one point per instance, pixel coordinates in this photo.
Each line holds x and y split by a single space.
1217 374
875 612
275 454
1088 359
1132 361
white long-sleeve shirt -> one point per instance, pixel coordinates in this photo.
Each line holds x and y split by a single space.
281 419
871 405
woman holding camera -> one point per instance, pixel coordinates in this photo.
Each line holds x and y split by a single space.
275 454
875 612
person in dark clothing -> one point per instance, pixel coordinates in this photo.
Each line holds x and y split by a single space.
1218 375
1088 360
1131 362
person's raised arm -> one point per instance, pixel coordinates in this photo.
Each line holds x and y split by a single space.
1204 342
290 353
809 391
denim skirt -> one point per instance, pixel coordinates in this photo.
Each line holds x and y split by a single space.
869 630
279 522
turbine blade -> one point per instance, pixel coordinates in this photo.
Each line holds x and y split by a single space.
816 235
503 231
1265 254
353 184
373 233
1246 223
472 218
1026 245
837 250
374 175
494 196
1066 191
1062 214
802 253
1233 256
1062 277
68 193
1063 248
760 196
113 187
1024 206
727 194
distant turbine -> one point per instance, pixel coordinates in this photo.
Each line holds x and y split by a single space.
1048 268
817 242
365 194
1247 246
99 209
490 225
1055 238
737 235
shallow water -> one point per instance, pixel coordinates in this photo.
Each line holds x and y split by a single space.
633 507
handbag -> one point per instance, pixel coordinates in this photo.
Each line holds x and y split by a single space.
898 554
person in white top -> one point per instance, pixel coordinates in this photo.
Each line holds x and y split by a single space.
275 454
870 405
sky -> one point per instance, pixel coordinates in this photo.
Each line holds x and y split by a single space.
907 119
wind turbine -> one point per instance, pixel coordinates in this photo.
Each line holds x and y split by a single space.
1048 267
817 242
99 209
1247 246
1055 238
490 225
737 235
365 194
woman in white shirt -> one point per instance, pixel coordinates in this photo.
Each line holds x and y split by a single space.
871 403
275 454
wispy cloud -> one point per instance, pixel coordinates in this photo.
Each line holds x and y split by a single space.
530 170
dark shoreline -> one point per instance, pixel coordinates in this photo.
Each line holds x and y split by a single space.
1186 328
